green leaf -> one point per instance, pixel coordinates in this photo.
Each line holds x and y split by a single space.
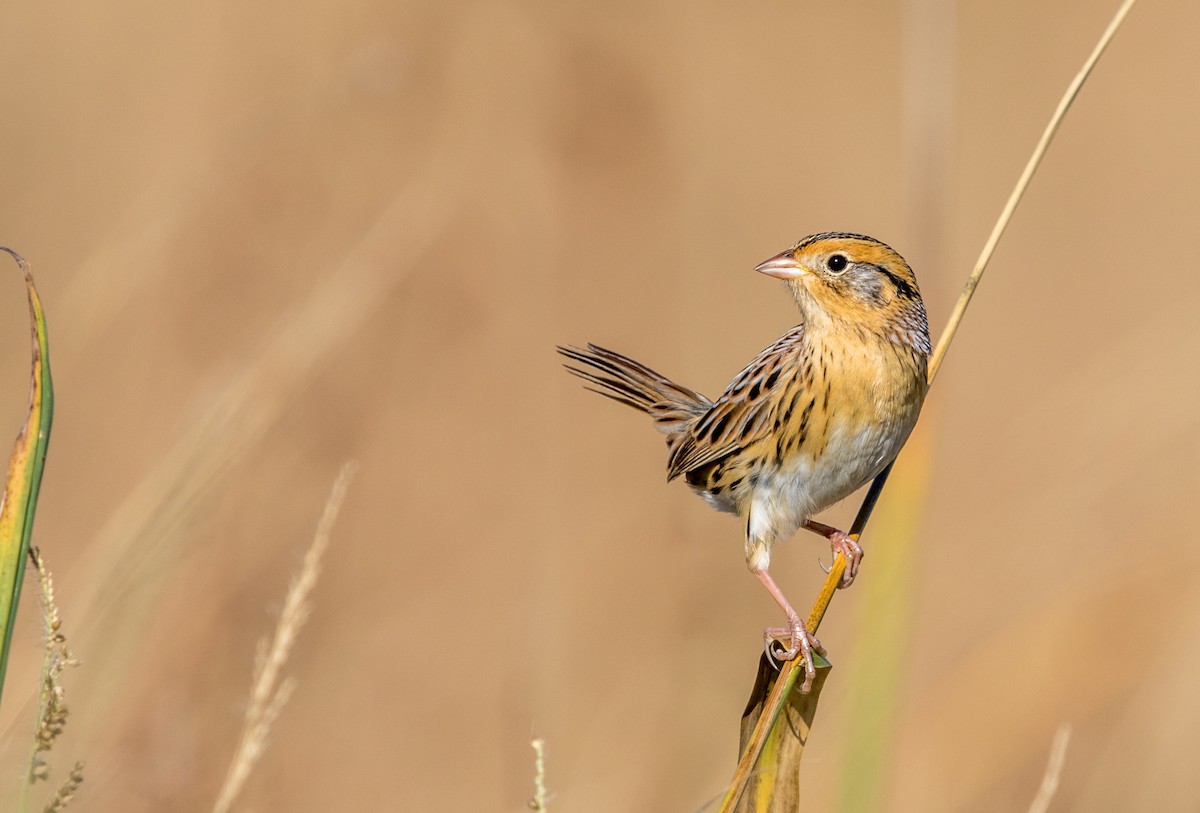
24 471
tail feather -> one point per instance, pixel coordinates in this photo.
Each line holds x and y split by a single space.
673 407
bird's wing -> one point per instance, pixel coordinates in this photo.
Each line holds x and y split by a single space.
750 408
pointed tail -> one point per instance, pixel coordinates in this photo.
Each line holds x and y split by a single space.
673 407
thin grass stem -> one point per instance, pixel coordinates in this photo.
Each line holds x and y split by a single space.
786 681
1054 767
269 693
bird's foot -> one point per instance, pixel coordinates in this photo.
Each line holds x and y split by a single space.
851 551
792 641
841 542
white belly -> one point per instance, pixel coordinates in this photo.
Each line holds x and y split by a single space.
781 501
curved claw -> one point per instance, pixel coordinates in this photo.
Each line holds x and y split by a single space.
851 551
801 643
841 542
776 654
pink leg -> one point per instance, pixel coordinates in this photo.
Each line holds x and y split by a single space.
842 543
799 641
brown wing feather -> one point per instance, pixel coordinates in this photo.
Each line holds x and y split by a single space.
746 412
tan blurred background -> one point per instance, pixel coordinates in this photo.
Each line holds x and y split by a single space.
273 239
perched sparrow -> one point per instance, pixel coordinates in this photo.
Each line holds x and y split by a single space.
815 416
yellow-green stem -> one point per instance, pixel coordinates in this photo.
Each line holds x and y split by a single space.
788 674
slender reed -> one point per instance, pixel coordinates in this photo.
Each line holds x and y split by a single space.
788 675
268 693
1054 767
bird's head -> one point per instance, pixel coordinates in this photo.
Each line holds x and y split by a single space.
849 281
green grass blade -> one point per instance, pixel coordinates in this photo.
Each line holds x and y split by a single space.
874 682
24 472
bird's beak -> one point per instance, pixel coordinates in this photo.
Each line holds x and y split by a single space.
782 266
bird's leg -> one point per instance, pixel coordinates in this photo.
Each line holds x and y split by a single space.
842 543
799 641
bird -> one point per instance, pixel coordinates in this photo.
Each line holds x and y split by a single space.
812 418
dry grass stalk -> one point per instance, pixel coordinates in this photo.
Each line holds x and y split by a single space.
538 801
1010 207
1054 767
52 707
784 684
268 694
66 791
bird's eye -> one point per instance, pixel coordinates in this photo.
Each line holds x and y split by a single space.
837 263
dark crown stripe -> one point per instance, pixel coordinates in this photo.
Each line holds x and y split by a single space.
839 235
